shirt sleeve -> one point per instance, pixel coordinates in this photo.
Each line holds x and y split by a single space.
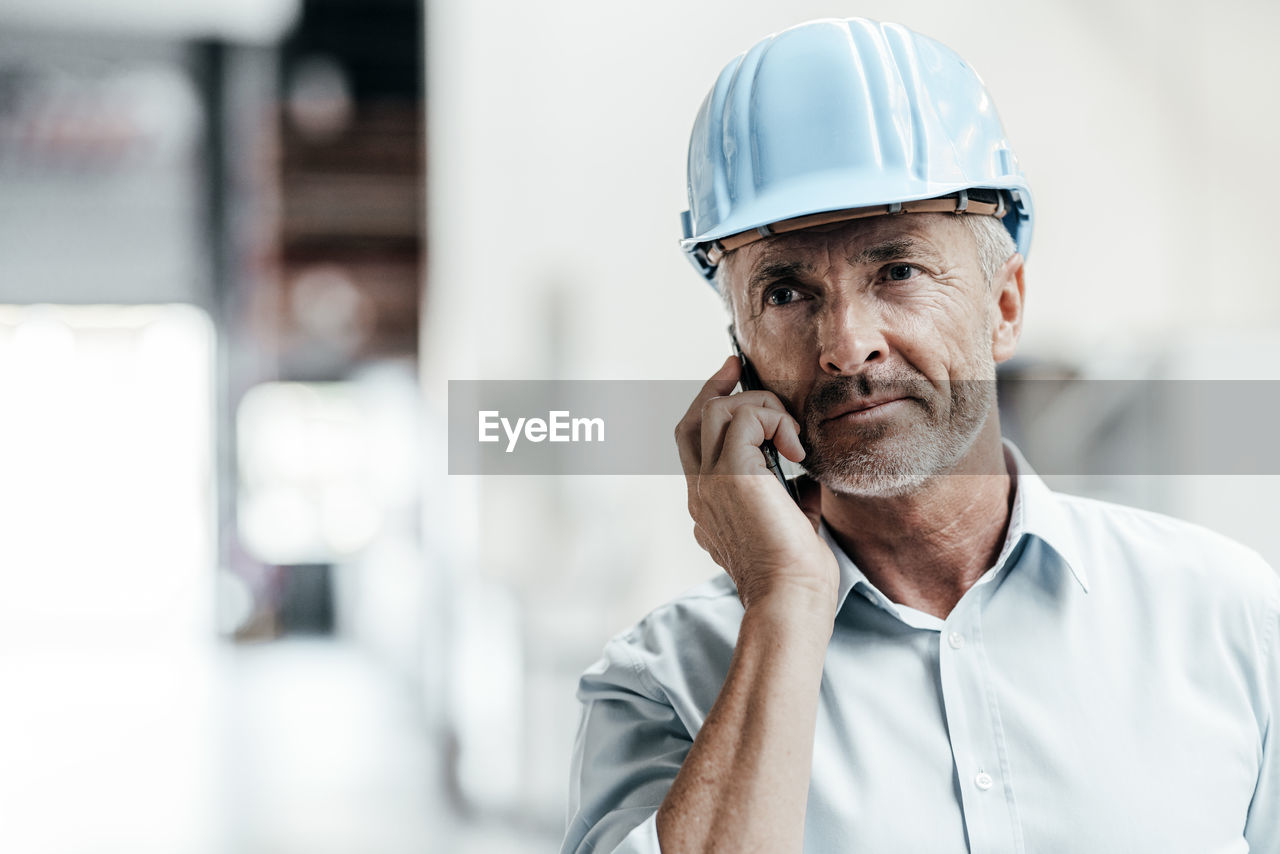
629 748
1262 827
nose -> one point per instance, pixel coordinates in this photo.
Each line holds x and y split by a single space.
850 336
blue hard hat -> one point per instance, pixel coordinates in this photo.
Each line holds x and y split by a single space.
836 119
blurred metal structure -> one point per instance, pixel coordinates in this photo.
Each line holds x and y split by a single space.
313 214
351 173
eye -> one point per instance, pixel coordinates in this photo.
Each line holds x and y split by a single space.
901 272
781 295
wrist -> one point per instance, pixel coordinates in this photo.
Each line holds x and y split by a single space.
811 609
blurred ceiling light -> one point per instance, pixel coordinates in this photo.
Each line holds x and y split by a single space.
107 459
281 525
388 393
42 337
349 519
249 21
160 104
312 489
319 97
330 309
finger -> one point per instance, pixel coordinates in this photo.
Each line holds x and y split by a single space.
787 439
717 416
758 397
740 451
718 412
689 429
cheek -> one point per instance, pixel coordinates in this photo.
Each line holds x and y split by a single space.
780 355
940 337
784 345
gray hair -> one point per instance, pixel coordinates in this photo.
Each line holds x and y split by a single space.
995 246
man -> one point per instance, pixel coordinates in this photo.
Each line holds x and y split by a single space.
930 651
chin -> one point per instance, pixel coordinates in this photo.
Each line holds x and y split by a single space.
887 466
870 476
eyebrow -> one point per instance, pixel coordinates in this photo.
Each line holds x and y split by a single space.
772 272
893 250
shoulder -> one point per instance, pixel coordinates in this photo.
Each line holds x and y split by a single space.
1170 557
679 649
709 610
1145 533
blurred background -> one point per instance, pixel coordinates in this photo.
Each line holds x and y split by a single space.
245 244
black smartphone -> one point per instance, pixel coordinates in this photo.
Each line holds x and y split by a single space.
750 381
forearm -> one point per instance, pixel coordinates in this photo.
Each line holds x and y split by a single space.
744 783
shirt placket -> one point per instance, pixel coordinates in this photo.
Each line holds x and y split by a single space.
978 745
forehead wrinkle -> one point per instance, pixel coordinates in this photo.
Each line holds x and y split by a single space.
893 250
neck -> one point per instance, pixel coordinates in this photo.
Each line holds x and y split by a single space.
926 548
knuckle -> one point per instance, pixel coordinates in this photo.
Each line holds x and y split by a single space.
714 406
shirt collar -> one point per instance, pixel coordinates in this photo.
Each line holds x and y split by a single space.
1036 512
1039 512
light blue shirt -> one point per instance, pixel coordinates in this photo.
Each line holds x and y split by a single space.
1110 685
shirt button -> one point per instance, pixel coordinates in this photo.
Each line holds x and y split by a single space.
956 640
983 781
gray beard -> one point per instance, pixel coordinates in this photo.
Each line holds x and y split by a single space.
894 457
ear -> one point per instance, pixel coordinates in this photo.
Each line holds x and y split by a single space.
1007 292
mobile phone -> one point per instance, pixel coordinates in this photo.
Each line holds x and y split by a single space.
750 381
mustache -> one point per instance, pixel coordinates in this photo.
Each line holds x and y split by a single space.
839 390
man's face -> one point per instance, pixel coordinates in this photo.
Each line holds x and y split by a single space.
881 336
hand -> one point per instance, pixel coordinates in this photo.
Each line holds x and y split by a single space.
742 515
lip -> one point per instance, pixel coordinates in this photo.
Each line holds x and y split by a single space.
858 409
